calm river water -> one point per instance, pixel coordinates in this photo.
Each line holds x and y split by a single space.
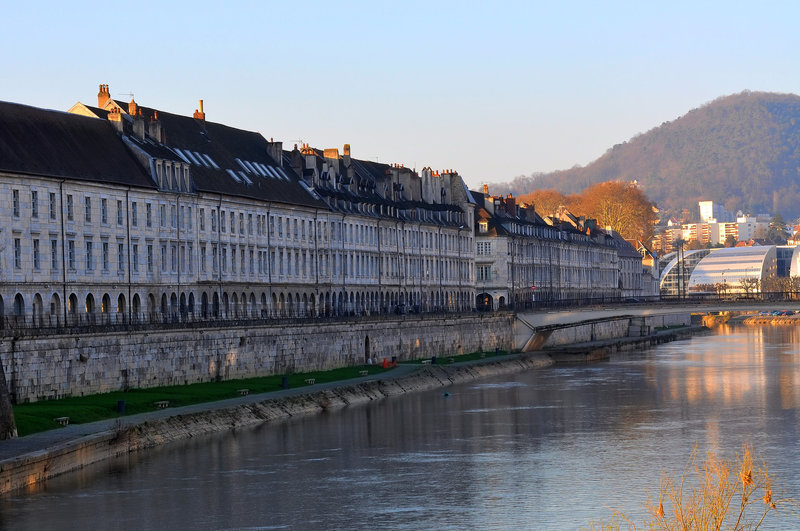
547 449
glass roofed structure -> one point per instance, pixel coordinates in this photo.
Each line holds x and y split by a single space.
670 283
732 265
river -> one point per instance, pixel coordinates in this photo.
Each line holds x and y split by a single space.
547 449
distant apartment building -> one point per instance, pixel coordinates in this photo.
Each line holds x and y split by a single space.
699 232
711 212
720 232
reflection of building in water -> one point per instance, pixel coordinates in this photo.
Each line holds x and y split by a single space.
731 375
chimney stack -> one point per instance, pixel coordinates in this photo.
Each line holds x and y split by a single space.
103 96
486 189
200 115
346 150
156 132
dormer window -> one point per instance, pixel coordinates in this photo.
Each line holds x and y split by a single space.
483 226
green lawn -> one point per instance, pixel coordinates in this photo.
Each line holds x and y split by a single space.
39 416
443 360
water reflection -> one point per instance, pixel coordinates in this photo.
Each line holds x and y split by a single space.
545 449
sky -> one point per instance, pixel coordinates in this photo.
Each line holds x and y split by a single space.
493 90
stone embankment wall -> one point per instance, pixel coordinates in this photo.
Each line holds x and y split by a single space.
56 366
28 470
615 328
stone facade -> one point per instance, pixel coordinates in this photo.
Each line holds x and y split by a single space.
55 366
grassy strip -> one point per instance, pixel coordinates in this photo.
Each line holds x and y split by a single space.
441 360
39 416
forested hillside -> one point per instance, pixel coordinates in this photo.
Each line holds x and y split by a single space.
742 151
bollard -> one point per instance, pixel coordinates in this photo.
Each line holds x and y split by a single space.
121 406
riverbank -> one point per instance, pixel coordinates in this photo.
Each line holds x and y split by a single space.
28 461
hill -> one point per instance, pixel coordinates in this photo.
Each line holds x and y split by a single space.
742 151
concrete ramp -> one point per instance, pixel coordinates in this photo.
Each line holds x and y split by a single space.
530 337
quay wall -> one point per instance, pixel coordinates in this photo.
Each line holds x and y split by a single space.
615 328
41 366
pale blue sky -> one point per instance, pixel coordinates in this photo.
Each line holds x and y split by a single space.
492 89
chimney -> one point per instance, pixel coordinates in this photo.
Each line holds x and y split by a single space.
346 150
132 107
199 115
511 205
115 118
275 150
103 96
155 128
486 189
139 125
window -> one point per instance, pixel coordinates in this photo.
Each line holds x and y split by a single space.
173 254
202 220
214 220
483 226
34 204
173 216
105 256
17 253
87 204
484 273
249 223
224 259
163 257
89 256
135 258
15 202
52 205
104 210
202 258
189 219
70 209
148 214
182 217
120 257
149 258
214 258
36 256
241 224
233 260
120 213
233 223
71 254
134 214
163 212
222 221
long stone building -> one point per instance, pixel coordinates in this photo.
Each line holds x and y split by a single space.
123 213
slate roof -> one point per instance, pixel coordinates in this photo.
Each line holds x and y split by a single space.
186 137
57 144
